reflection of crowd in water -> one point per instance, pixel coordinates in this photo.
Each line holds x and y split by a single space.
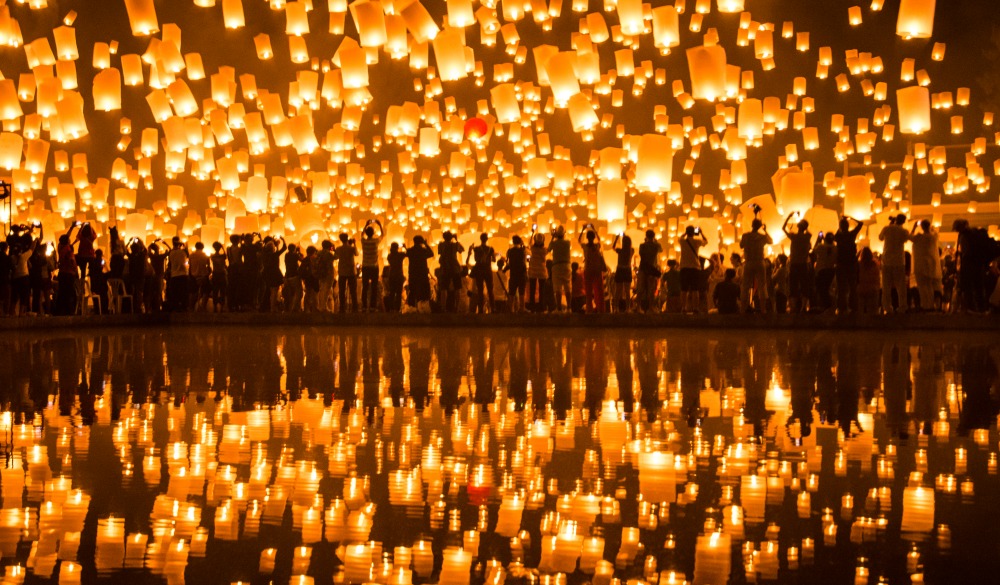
831 377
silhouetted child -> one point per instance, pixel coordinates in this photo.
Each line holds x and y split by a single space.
727 294
671 286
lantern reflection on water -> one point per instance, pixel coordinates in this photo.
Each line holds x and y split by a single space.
550 514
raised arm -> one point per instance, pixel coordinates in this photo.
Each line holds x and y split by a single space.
784 226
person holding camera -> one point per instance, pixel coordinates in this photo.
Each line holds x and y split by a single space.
450 272
926 263
593 269
418 273
177 267
691 266
369 265
894 237
482 272
754 265
66 296
798 263
649 271
847 264
562 277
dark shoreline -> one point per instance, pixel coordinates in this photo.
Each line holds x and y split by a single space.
908 322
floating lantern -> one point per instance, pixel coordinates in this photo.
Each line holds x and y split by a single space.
654 163
707 67
916 19
665 27
914 109
142 17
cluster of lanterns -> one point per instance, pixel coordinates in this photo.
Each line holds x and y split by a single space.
465 151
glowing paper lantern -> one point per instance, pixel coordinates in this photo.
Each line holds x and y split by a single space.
914 104
730 6
419 22
65 38
460 13
449 51
354 67
750 120
142 17
654 163
10 107
504 99
630 16
232 13
916 19
795 193
296 19
370 22
857 198
581 113
707 66
475 128
611 199
11 145
561 75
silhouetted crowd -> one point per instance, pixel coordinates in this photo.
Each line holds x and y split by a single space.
822 273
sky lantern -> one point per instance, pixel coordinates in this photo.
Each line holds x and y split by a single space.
370 22
654 163
419 22
354 67
475 129
858 197
665 27
65 37
750 120
562 78
460 13
730 6
70 112
581 113
504 99
232 13
430 140
794 190
11 145
10 107
916 19
262 43
108 90
914 105
449 52
611 199
296 19
142 17
707 66
630 16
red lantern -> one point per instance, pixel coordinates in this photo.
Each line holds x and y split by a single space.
475 128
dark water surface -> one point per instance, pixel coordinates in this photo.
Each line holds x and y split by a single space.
518 456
